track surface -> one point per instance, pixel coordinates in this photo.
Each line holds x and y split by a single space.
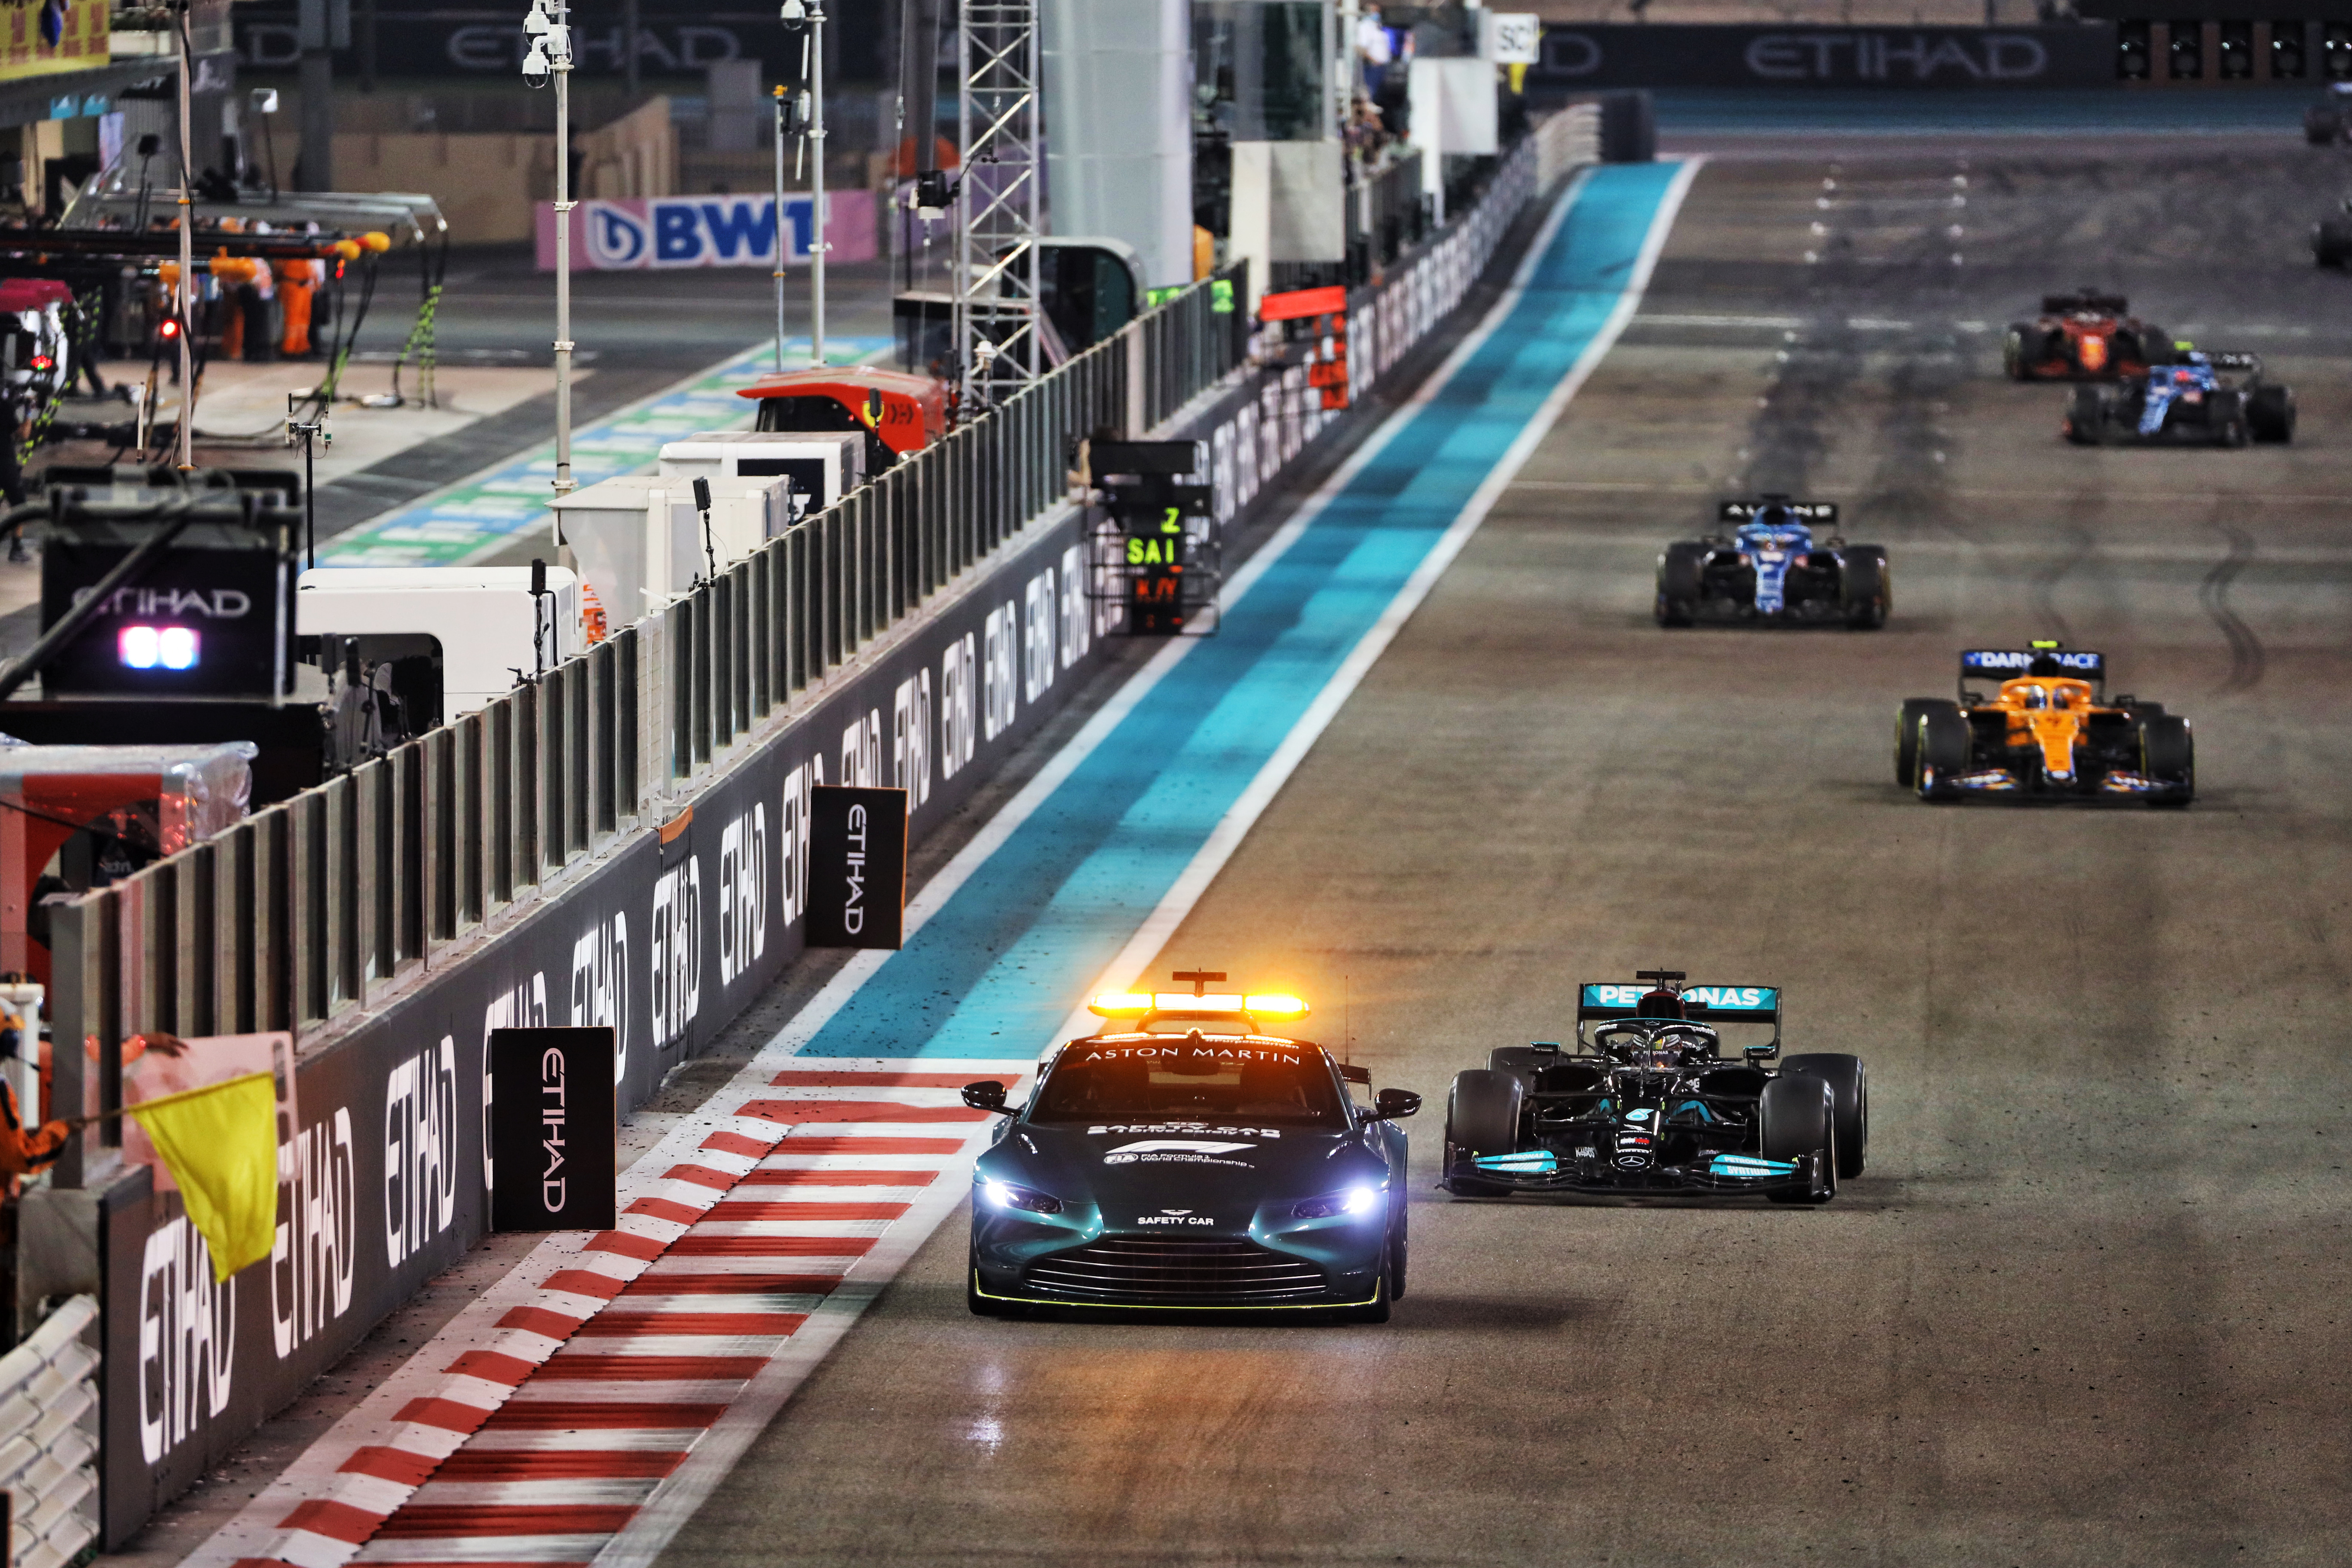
2088 1305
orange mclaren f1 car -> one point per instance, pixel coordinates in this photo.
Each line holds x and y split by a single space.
2083 336
2048 733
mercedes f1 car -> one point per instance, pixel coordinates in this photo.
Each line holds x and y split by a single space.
2048 733
1648 1102
1194 1155
2083 336
2201 399
1771 568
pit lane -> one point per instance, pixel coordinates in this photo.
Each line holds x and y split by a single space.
2088 1305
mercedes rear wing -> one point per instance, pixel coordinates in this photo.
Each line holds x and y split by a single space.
1704 1003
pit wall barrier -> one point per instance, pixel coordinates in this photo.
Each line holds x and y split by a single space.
622 843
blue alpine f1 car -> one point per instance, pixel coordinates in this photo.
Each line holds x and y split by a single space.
1648 1102
1771 568
2199 399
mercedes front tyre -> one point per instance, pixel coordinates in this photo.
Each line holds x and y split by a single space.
1849 1104
1482 1117
1797 1125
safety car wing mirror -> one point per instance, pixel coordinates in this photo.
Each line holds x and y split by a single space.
988 1095
1391 1103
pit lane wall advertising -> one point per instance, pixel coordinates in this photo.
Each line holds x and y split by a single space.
629 233
1577 57
386 1182
666 941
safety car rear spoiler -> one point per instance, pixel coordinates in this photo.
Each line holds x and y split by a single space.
1706 1003
2004 663
1803 510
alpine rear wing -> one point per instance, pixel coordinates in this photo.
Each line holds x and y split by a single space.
1740 511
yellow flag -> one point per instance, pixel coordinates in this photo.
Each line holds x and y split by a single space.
220 1143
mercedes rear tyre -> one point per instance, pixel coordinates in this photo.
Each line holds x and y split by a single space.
1849 1104
2167 754
1944 751
1680 572
1868 588
1797 1125
2270 414
2087 417
1482 1117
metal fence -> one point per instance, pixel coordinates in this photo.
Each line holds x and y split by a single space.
319 904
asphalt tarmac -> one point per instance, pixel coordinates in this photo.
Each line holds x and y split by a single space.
2088 1303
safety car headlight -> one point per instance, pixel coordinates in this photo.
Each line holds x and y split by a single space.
1005 1196
1355 1199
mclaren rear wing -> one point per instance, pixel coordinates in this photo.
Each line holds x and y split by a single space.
2008 663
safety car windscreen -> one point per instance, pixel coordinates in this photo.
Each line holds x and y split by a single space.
1190 1081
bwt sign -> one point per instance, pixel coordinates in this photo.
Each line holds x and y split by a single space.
706 231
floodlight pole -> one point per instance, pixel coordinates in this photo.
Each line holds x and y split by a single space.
818 245
783 96
560 63
185 293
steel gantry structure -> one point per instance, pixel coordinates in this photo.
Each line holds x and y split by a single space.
998 328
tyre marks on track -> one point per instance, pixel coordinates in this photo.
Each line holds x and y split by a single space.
2247 658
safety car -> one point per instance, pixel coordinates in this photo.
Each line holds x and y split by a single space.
2046 731
2199 399
2083 336
1653 1098
1195 1155
1769 568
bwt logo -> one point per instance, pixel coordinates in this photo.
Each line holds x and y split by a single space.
318 1233
600 984
678 950
795 844
1001 696
959 729
910 737
420 1151
187 1339
742 894
722 231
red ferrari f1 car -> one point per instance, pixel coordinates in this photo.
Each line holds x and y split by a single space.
2083 336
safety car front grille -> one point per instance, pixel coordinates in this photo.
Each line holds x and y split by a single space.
1185 1270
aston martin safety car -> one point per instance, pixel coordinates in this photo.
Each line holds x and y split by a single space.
2083 336
2047 731
1653 1099
1770 568
1194 1155
2200 399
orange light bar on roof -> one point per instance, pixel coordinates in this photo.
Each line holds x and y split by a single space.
1185 1001
1120 1004
1274 1005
